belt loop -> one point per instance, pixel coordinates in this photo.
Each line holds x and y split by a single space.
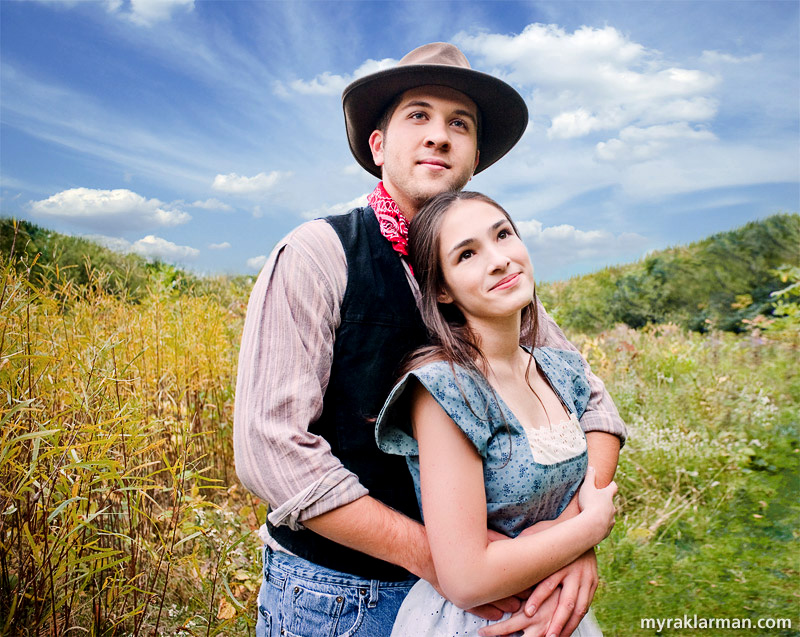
372 601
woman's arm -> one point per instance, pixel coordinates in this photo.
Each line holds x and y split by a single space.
471 570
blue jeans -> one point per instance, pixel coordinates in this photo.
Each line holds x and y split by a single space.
300 599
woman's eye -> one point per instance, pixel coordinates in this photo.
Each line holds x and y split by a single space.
460 123
465 255
417 115
503 234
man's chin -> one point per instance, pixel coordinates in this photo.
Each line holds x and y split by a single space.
438 188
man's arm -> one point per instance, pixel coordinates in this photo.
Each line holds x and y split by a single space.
369 526
601 413
284 367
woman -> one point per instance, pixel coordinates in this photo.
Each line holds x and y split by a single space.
489 428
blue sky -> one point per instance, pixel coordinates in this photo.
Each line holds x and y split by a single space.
203 131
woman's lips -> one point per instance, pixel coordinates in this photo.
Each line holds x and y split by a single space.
506 282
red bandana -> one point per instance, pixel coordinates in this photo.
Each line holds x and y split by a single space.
391 221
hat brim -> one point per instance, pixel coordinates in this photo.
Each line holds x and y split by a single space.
504 115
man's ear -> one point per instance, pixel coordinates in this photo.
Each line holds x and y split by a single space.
477 160
444 296
376 146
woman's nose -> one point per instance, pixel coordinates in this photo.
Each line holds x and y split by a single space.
498 260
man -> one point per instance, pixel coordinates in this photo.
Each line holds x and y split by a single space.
329 320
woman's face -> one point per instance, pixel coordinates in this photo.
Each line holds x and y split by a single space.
486 268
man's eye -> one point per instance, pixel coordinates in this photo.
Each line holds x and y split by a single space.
417 115
460 123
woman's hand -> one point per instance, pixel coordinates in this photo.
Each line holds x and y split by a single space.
521 624
598 503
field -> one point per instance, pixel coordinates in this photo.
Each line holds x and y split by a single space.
120 512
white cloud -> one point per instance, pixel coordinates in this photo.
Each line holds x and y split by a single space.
154 247
336 209
716 57
212 204
594 79
639 144
103 209
256 263
112 6
150 247
575 124
694 167
328 83
559 245
240 185
116 244
219 246
147 12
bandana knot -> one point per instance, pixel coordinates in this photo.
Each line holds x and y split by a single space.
392 222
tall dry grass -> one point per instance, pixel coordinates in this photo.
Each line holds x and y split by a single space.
117 513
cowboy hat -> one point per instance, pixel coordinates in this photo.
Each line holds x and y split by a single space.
504 115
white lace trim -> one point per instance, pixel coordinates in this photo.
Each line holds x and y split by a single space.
555 443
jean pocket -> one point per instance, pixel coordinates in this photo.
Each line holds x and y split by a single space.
263 622
320 612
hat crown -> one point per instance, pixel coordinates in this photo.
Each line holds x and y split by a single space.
436 53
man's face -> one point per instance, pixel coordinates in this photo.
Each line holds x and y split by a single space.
430 145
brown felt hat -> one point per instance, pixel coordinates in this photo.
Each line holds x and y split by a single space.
504 115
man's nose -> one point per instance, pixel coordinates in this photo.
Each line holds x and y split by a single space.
437 135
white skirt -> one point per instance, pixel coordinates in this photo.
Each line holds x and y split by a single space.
425 612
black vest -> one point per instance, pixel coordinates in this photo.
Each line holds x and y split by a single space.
380 325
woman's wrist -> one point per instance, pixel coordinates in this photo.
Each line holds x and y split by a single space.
593 520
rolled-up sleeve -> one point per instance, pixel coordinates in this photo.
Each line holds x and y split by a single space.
284 368
601 413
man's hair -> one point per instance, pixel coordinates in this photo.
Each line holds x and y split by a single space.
383 121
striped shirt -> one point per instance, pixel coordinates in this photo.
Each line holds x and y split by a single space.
284 368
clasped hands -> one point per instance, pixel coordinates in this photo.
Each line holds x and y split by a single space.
555 606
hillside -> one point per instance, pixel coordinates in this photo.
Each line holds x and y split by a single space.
716 283
54 259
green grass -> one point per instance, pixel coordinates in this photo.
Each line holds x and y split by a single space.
708 481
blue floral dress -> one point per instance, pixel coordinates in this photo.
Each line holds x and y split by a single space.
529 474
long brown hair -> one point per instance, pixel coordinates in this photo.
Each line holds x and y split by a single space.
451 338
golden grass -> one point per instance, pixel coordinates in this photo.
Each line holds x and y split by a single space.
115 451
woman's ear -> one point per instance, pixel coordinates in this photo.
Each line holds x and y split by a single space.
444 296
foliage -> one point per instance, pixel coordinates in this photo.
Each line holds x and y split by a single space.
708 481
785 324
119 508
722 282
